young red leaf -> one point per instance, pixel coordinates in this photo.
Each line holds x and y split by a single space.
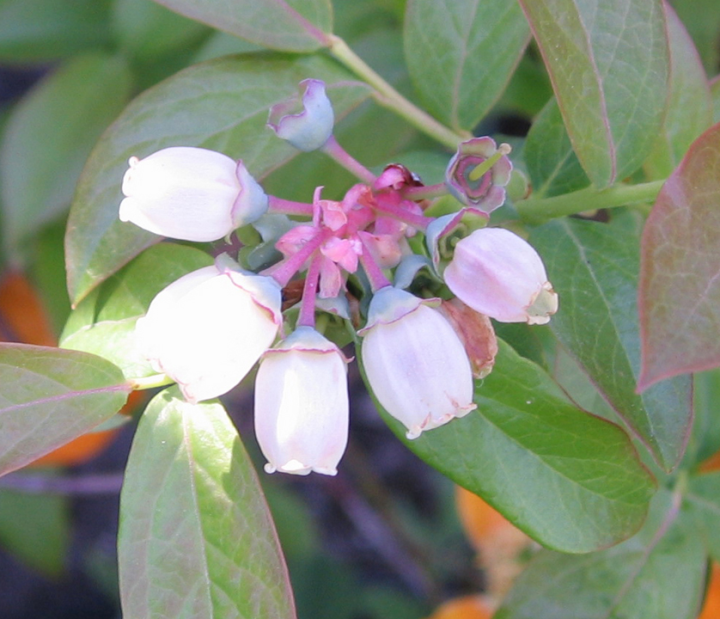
679 293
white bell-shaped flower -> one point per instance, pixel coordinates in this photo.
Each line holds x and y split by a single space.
499 274
415 362
207 329
191 194
301 404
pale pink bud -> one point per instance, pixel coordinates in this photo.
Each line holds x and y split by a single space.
191 194
306 122
208 328
499 274
301 405
414 361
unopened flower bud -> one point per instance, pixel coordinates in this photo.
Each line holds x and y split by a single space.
192 194
497 273
471 185
306 123
301 404
208 328
414 361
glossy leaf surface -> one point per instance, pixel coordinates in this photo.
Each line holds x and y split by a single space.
658 573
196 538
594 268
104 322
461 54
51 396
570 480
221 105
287 25
689 111
608 62
50 135
679 294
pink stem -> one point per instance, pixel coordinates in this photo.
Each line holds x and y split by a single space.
339 154
307 305
421 193
372 270
283 271
416 221
288 207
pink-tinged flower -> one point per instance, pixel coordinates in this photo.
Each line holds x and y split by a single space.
306 123
497 273
208 328
414 361
301 404
487 192
191 194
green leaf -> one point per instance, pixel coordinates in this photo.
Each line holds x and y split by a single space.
104 321
148 30
551 161
702 19
593 267
705 437
529 89
715 94
659 573
462 53
703 504
577 385
46 269
608 62
49 136
223 44
196 538
35 529
51 396
689 110
44 30
679 294
221 105
570 480
286 25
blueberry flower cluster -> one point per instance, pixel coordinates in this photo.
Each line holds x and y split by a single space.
208 329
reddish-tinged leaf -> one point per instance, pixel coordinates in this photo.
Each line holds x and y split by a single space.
288 25
679 295
689 111
608 62
51 396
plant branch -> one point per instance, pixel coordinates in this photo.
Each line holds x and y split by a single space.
390 98
107 483
538 210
